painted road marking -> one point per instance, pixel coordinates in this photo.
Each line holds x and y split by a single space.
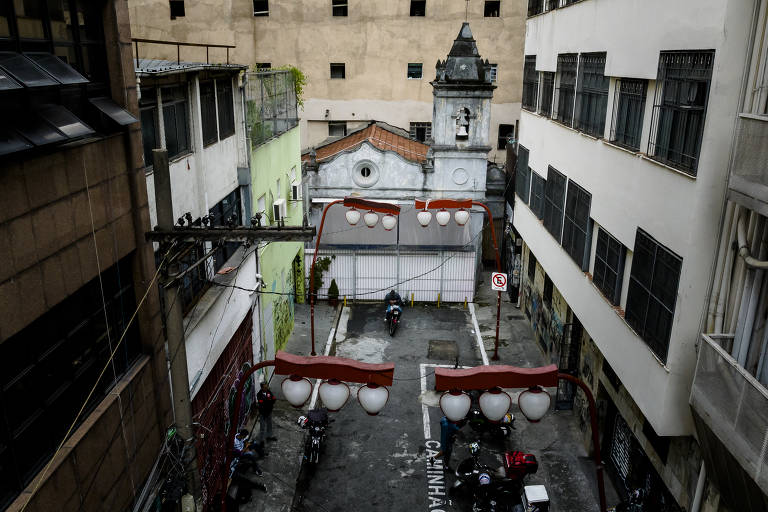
478 338
344 317
424 407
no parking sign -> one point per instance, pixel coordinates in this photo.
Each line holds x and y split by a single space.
499 282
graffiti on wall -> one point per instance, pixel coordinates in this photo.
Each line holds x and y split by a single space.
282 314
547 325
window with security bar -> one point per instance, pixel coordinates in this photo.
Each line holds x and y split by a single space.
535 7
551 5
652 292
421 131
547 89
608 273
530 83
554 199
628 107
565 90
576 225
208 113
537 194
679 108
592 94
522 175
176 120
225 105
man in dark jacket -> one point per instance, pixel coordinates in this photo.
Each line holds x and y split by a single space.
392 299
266 402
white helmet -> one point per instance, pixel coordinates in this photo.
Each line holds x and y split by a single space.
302 421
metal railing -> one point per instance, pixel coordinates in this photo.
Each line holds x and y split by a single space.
178 45
271 104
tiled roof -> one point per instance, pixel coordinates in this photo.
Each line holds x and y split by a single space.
378 137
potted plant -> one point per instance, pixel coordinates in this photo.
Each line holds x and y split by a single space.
333 293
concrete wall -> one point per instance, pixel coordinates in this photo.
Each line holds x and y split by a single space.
376 42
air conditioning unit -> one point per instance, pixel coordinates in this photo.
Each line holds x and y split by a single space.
295 191
279 210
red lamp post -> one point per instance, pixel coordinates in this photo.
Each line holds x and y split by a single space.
441 205
317 367
490 377
391 211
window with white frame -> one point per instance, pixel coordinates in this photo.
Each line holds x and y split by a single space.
592 94
547 89
628 108
565 90
530 83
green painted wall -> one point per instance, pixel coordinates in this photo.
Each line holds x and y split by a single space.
275 163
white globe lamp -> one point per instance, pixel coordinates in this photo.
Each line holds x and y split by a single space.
495 403
461 216
373 398
296 390
443 217
424 217
455 405
371 219
353 216
389 222
334 394
534 403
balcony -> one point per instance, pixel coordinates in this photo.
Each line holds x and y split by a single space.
749 174
731 411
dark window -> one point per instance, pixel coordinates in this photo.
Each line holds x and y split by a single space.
149 123
48 369
195 282
175 120
554 197
552 4
660 443
494 72
531 266
522 174
208 112
506 135
679 108
337 129
609 266
566 87
339 7
421 131
177 9
225 103
548 289
576 225
418 8
263 66
491 9
610 374
530 83
260 7
537 194
227 211
629 104
652 292
338 70
535 7
547 89
414 70
592 95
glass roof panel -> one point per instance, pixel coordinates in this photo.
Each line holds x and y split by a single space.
24 70
57 68
113 111
39 131
8 83
12 142
65 121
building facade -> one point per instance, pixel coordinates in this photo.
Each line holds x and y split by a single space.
84 392
364 61
621 167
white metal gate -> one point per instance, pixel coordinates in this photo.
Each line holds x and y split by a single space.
369 275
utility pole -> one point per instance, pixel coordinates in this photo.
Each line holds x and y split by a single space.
174 325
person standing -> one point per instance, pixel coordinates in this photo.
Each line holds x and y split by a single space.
448 430
266 402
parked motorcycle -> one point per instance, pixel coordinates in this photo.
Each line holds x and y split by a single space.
316 422
480 424
395 311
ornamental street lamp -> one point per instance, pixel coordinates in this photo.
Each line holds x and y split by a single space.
462 217
533 403
297 388
355 204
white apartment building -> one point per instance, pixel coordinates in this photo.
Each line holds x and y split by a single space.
629 108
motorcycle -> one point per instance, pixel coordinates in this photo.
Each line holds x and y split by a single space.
480 424
394 311
316 422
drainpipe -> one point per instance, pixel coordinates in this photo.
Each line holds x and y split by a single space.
746 307
744 251
699 495
727 277
720 266
733 307
755 277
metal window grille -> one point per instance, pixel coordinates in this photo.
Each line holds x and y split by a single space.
337 129
226 210
421 131
551 5
261 7
195 282
339 7
522 175
208 112
535 7
418 8
537 194
491 9
414 70
679 108
547 89
565 3
576 225
652 292
176 120
530 83
554 197
628 107
609 266
225 103
592 94
566 88
270 105
338 70
506 133
494 72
